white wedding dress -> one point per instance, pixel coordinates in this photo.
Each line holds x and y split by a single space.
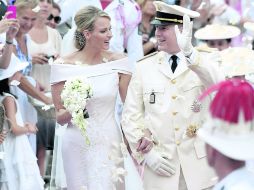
98 166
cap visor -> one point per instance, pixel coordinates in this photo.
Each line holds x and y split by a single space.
158 23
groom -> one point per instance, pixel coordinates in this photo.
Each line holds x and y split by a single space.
162 99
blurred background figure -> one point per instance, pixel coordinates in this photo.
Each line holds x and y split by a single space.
237 62
45 44
229 134
245 9
220 12
249 34
19 169
45 47
54 18
146 29
217 35
18 53
172 2
3 8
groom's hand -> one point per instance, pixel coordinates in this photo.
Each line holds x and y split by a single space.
184 37
159 164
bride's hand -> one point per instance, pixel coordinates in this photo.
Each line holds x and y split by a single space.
145 144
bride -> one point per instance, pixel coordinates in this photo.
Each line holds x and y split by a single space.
99 165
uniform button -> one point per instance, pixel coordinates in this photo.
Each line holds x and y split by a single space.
178 142
176 128
174 97
174 113
173 81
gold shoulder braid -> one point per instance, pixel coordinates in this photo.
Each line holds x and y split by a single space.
147 56
205 48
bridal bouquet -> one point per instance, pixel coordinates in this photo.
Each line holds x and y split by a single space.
75 94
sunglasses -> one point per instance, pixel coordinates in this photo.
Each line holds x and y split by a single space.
57 19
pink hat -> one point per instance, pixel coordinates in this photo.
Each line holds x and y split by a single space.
230 124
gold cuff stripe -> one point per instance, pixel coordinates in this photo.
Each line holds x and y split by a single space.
169 19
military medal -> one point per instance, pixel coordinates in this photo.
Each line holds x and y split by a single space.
191 131
152 98
196 106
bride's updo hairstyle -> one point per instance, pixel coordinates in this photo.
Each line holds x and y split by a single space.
85 19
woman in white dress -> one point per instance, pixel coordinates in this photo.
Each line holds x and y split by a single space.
18 169
45 42
94 166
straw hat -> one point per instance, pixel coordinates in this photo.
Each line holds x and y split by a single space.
237 61
230 125
171 14
217 32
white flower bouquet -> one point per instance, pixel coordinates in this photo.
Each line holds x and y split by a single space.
75 94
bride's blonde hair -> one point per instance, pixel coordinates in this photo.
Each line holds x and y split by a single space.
85 19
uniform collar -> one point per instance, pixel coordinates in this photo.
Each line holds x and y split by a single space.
164 66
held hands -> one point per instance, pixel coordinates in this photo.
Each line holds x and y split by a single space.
184 37
159 164
145 145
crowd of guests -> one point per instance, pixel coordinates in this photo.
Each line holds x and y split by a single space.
173 97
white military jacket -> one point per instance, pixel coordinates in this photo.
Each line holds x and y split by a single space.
173 117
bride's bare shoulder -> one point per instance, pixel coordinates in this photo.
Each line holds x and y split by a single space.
112 56
69 59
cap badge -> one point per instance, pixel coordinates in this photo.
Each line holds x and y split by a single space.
159 7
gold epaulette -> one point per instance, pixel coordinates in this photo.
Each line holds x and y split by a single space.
205 48
147 56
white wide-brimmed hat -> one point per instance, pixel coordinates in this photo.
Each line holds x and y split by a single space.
171 14
237 61
234 141
230 125
217 32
